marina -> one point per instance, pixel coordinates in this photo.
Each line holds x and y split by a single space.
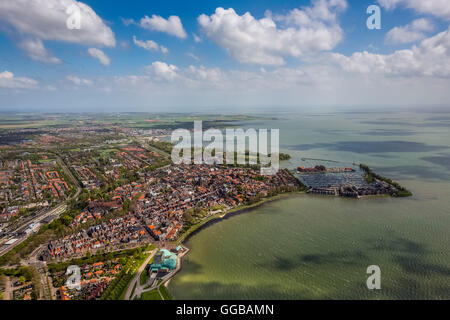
344 182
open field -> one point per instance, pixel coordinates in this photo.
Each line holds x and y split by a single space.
133 120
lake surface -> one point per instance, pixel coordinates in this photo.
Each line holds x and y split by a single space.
318 247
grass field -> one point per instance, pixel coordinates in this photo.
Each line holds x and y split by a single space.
11 121
144 277
165 292
151 295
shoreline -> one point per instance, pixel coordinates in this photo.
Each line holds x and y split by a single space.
218 218
193 230
228 214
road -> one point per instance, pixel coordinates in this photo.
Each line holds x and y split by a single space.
69 173
137 277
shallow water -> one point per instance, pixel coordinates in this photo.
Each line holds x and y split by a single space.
314 247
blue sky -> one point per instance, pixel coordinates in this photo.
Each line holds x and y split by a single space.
250 53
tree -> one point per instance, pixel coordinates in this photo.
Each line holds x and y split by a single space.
126 205
187 215
66 220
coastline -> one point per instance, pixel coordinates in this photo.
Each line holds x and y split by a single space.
228 214
193 230
218 218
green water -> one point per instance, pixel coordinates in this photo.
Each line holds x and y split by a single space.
313 247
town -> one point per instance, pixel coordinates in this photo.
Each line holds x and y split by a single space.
105 196
172 197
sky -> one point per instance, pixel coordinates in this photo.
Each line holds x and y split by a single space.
130 55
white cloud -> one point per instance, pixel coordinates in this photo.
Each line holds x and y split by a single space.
438 8
315 83
431 59
193 56
79 81
100 55
127 22
197 38
172 25
130 80
305 32
163 71
124 44
35 50
165 77
321 10
8 80
208 75
46 20
164 49
410 33
50 88
150 45
390 4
